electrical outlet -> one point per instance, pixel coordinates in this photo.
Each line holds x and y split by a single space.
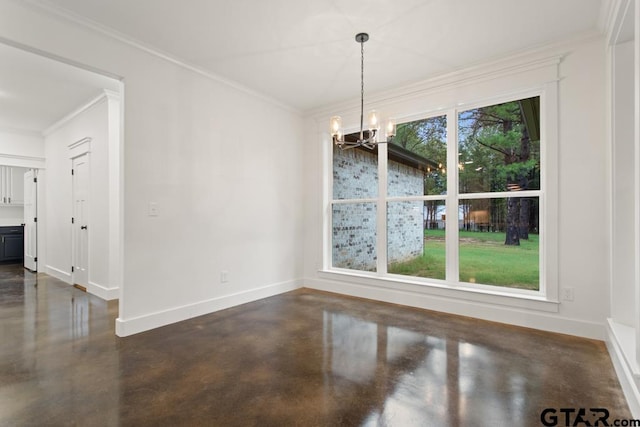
224 276
567 294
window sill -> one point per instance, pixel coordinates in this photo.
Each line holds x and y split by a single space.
438 288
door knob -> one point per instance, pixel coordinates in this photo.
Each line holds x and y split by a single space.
84 227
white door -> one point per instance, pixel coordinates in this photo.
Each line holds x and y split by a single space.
80 221
30 224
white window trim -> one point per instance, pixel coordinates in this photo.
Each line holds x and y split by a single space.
547 298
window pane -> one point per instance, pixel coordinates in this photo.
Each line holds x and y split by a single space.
498 243
416 238
355 173
354 236
499 147
417 158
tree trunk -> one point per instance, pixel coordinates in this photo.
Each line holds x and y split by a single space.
431 216
513 203
524 218
513 214
525 152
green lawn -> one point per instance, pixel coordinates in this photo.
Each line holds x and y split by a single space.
483 259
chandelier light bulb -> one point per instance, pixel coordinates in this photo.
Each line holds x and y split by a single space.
335 124
374 123
391 128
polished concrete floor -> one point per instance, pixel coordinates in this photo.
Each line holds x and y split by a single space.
304 358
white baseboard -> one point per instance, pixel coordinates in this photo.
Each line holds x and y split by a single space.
107 294
126 327
621 343
493 312
58 274
92 287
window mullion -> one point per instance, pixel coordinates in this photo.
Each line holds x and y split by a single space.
451 225
327 148
381 233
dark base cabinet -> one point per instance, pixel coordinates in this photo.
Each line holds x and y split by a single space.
11 243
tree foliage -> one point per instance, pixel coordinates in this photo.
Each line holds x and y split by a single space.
427 138
495 154
496 140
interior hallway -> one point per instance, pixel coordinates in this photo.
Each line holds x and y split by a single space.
303 358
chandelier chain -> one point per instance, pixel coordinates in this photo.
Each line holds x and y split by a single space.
361 89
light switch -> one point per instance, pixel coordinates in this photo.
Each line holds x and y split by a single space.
153 208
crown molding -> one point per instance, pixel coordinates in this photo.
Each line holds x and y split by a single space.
472 75
17 131
19 157
22 161
613 19
607 15
112 95
75 113
67 15
536 57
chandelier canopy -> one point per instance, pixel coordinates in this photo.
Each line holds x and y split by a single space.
368 138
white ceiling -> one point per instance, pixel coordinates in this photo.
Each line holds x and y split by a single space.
302 52
36 92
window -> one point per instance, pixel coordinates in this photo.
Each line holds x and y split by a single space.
354 211
416 199
460 202
498 194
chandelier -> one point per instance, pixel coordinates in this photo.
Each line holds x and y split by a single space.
368 138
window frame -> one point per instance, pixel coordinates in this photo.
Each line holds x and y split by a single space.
546 298
542 284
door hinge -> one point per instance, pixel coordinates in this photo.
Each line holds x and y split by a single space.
72 268
35 259
72 220
35 179
35 219
71 171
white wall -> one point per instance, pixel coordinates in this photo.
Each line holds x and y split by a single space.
11 215
223 164
91 123
623 255
18 148
582 184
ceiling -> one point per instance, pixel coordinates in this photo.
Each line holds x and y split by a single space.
36 92
302 53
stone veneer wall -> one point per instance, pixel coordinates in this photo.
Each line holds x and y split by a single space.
355 176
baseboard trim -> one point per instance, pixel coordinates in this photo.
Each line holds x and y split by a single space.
619 346
127 327
493 312
58 274
107 294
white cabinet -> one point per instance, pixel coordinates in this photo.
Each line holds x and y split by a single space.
12 186
17 186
